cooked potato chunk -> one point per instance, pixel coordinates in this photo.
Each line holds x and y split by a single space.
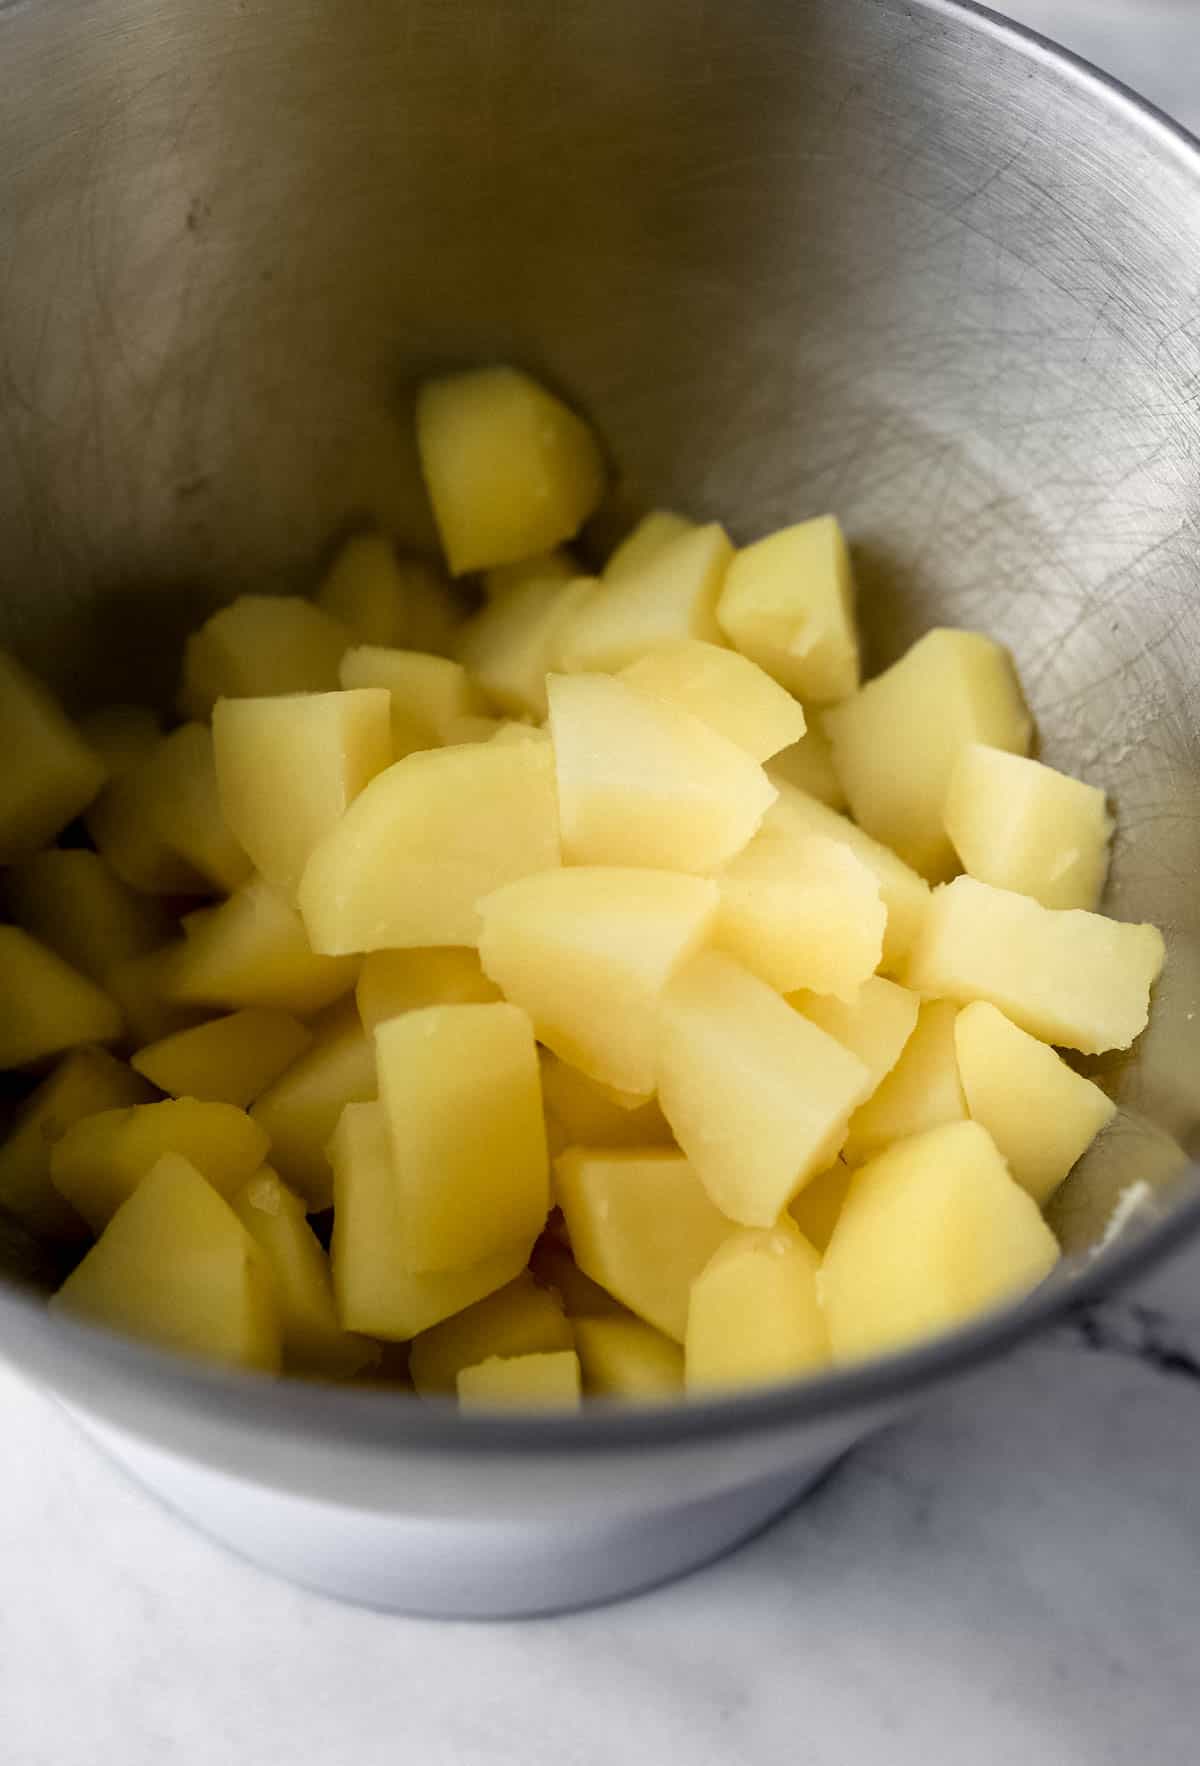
875 1025
672 594
159 825
922 1090
522 1382
758 1097
381 599
143 988
896 743
581 1297
47 1006
301 1109
257 646
804 913
808 764
70 900
625 1358
48 773
509 469
253 951
587 953
557 566
176 1267
520 1319
1071 978
642 782
1041 1115
652 533
395 981
1020 825
753 1314
932 1233
788 604
226 1060
510 646
581 1112
816 1208
425 841
121 735
427 694
724 690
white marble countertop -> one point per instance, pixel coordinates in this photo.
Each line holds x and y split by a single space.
1014 1577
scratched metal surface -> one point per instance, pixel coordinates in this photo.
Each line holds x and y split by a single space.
791 256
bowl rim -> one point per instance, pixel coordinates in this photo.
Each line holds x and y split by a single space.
374 1419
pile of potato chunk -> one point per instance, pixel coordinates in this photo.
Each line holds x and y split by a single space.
657 1007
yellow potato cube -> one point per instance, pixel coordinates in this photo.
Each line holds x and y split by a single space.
226 1060
257 646
923 1089
433 613
101 1159
1071 978
462 1095
670 595
381 599
313 1339
509 469
580 1112
522 1382
425 841
816 1208
788 604
724 690
177 1268
754 1315
1020 825
86 1081
652 533
461 730
758 1097
121 735
289 767
48 774
47 1006
395 981
510 645
875 1025
160 825
808 764
581 1297
642 1225
300 1110
896 743
520 1319
642 782
143 988
1041 1115
253 951
625 1358
803 913
932 1233
426 694
587 952
70 900
553 567
796 816
374 1291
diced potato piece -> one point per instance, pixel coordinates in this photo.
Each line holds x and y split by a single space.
509 469
548 567
375 1293
433 612
1041 1115
922 1091
932 1233
522 1382
896 743
253 951
300 1110
227 1060
1020 825
257 646
160 825
101 1159
671 595
580 1112
513 731
462 1094
816 1208
808 764
47 1006
788 604
121 735
426 694
758 1097
121 824
806 913
510 645
520 1319
724 690
875 1025
48 774
395 981
313 1339
382 599
1071 978
143 988
177 1268
461 730
289 767
581 1297
86 1081
641 782
425 841
642 1225
587 953
73 902
625 1358
652 533
794 816
754 1315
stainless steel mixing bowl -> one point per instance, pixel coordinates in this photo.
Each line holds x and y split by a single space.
888 257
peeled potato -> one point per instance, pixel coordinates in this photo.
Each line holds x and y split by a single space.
379 598
672 594
253 950
48 773
520 1319
1020 825
724 690
47 1006
522 1382
922 1090
788 604
395 981
258 646
72 901
754 1313
300 1109
582 1112
875 1025
510 645
804 913
227 1060
626 1358
650 535
427 695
